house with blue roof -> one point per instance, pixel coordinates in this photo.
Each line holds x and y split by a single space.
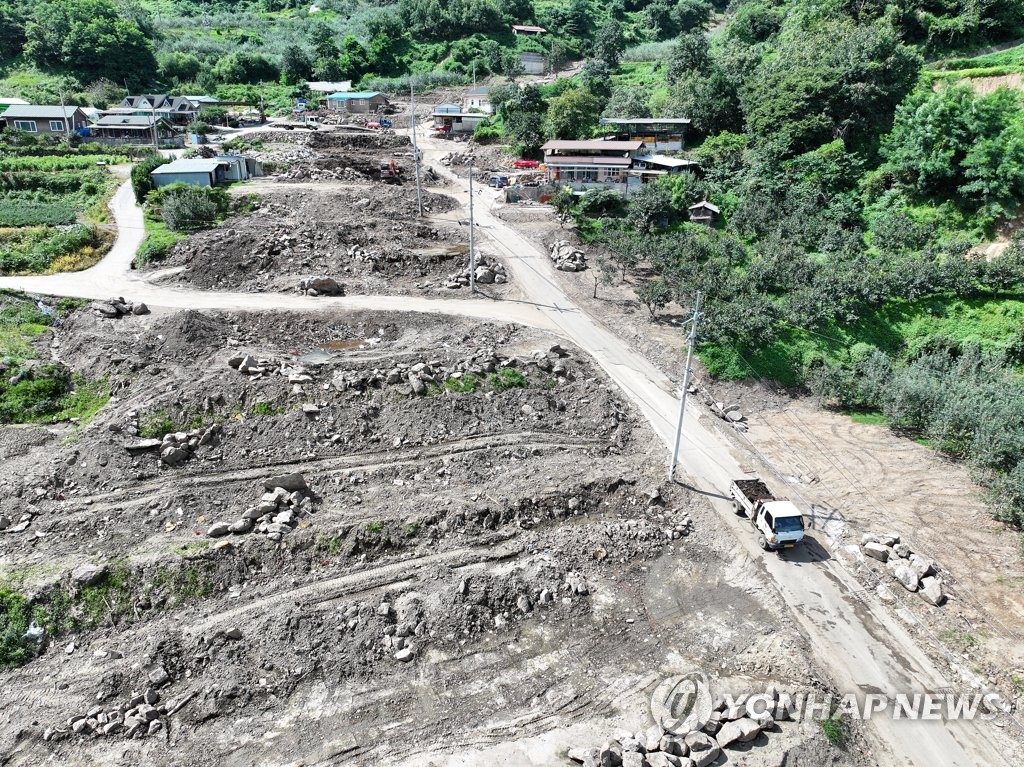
357 102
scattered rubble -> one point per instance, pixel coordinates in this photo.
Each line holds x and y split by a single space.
488 272
278 512
914 572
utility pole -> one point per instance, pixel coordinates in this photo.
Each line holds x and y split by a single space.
686 385
416 153
472 228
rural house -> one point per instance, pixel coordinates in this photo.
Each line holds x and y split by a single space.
177 110
357 102
527 29
661 134
478 100
449 118
663 165
197 172
43 120
133 129
586 165
703 213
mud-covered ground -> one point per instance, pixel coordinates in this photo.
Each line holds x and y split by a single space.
325 213
477 566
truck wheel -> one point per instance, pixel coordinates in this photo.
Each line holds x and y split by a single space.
738 510
763 543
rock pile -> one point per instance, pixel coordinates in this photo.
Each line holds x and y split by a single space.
488 272
568 258
728 727
117 307
143 714
434 372
277 513
177 447
321 286
259 367
914 572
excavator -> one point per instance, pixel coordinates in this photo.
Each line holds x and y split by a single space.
390 173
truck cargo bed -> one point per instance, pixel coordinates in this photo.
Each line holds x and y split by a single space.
754 489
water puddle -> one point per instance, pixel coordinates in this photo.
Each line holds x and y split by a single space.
331 349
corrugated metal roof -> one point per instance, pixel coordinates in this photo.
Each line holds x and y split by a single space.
353 95
569 160
611 146
126 121
29 111
527 28
644 121
705 204
197 165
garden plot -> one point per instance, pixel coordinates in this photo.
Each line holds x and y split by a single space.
458 545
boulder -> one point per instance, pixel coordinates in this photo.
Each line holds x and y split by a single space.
242 526
88 575
931 591
740 730
906 576
105 310
888 539
877 551
142 445
632 759
582 755
703 748
670 744
921 566
652 737
293 483
218 529
901 550
658 759
140 309
405 655
418 387
324 286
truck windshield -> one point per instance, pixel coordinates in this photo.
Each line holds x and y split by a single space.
788 524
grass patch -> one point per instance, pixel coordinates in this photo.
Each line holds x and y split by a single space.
157 243
47 249
156 425
835 731
374 528
266 409
866 418
960 639
467 384
508 378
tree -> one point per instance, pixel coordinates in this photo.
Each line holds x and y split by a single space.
90 38
650 206
628 101
596 77
563 201
142 182
188 208
180 67
572 115
689 55
512 65
610 44
12 30
655 295
709 99
295 65
604 274
244 67
688 15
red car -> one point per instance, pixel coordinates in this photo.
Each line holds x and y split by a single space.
525 164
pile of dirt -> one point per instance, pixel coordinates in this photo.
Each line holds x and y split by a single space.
367 238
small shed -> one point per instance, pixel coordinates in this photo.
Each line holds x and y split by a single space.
527 29
451 119
533 63
240 168
703 213
197 172
357 102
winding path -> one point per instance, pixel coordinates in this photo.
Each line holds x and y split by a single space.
852 634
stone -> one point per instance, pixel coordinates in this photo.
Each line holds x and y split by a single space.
931 591
105 310
740 730
888 539
670 744
581 755
324 286
241 527
236 360
80 726
632 759
140 309
151 696
88 575
652 737
418 387
631 744
703 748
143 445
906 576
658 759
111 727
159 676
293 483
877 551
405 655
218 529
921 566
310 409
901 550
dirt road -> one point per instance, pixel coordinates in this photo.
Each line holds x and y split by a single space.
852 633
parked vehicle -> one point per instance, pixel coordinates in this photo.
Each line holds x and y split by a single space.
498 181
446 128
309 122
380 124
525 164
777 522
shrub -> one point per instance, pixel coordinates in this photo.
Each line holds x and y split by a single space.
189 209
507 379
157 244
142 182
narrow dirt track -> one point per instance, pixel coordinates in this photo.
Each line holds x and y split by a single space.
853 634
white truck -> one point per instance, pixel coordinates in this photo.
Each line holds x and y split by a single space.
778 523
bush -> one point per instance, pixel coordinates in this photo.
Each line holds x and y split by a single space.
142 181
486 134
189 209
157 244
508 378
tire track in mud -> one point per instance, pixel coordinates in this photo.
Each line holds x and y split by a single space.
145 491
